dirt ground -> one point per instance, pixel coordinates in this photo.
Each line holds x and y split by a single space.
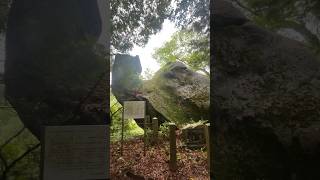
192 164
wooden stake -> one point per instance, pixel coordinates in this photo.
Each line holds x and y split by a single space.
155 128
173 147
122 127
146 118
207 135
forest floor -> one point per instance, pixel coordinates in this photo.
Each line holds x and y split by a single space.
192 164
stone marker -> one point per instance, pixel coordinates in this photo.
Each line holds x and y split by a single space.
173 147
75 152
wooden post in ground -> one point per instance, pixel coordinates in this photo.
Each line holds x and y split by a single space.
145 123
155 129
122 127
207 135
173 147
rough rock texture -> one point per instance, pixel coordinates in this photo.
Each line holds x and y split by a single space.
175 93
126 83
54 73
178 93
265 101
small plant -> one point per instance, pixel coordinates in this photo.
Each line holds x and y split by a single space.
164 129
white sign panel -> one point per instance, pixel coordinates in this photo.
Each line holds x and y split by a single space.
76 152
134 109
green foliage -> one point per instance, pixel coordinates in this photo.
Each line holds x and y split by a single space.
189 47
192 14
134 21
164 129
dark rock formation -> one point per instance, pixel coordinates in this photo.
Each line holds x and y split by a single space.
126 83
54 71
265 100
225 14
125 77
175 93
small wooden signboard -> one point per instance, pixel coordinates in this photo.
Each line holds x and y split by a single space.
77 152
134 109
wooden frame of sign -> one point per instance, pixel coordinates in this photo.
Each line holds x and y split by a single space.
76 152
132 110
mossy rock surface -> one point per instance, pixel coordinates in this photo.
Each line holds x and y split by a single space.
178 93
175 93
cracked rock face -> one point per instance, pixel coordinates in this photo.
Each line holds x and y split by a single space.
266 102
52 63
178 93
175 93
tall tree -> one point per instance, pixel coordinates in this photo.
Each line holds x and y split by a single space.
192 14
134 21
189 47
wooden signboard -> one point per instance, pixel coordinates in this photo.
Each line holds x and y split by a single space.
75 152
134 109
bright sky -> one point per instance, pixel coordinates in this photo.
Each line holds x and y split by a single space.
155 41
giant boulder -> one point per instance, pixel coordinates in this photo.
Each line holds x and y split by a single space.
175 93
55 73
265 101
178 93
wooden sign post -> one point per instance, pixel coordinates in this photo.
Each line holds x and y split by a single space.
132 110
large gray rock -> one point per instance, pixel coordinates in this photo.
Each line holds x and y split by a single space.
127 85
55 74
178 93
175 93
265 100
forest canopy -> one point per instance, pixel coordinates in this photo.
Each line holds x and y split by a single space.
189 47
